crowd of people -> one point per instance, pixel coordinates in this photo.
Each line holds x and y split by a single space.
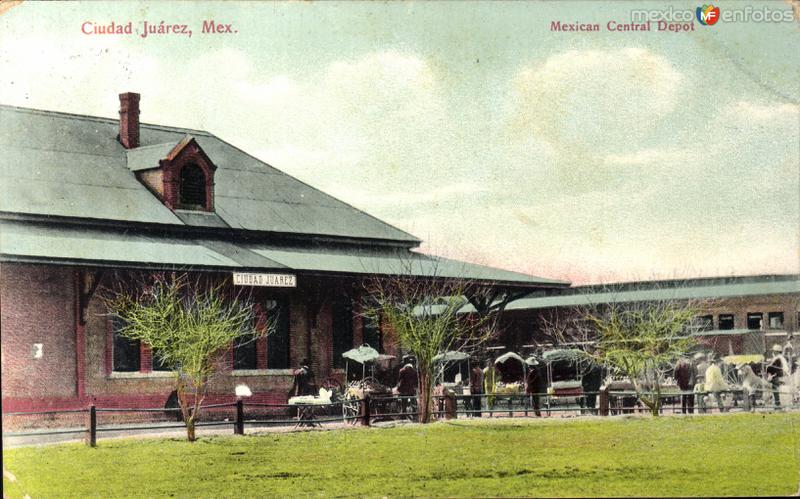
704 376
704 380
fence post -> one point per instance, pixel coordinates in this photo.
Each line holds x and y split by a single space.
603 402
365 410
92 430
238 426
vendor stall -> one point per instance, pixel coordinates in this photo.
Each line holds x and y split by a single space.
364 357
452 371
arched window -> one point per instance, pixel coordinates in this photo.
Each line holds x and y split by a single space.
193 188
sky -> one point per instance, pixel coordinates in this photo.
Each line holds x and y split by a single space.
585 156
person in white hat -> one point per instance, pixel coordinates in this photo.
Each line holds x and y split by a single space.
776 370
715 382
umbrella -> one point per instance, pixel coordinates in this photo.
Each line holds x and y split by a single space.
567 354
508 355
362 354
742 359
451 357
511 355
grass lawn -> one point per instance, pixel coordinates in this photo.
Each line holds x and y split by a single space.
740 454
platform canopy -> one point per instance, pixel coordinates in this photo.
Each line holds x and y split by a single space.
114 247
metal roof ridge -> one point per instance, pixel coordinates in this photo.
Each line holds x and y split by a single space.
103 119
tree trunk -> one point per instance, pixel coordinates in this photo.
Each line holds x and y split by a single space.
656 409
425 397
190 430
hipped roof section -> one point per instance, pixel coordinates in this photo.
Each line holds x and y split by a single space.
63 165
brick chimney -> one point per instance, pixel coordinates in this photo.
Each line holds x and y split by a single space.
129 120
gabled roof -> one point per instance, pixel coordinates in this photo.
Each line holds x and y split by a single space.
144 158
66 165
148 157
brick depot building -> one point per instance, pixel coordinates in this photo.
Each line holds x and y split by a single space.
738 314
85 199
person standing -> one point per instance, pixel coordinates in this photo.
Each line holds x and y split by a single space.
788 352
303 384
476 389
407 383
776 370
685 377
592 380
534 387
490 379
701 365
715 382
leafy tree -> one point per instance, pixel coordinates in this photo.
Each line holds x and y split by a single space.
424 313
642 341
190 324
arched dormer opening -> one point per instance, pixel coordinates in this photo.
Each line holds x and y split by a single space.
192 190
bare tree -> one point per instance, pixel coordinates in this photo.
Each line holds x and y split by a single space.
190 325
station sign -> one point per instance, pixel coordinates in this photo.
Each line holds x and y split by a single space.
268 280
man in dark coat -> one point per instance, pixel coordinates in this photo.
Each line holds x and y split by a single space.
407 379
685 377
592 381
776 370
303 381
534 386
476 389
407 383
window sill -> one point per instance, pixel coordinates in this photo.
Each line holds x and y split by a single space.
201 210
261 372
139 374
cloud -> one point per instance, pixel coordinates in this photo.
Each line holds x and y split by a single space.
68 74
747 111
595 97
647 157
443 196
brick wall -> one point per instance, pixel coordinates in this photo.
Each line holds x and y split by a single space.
39 306
155 387
36 306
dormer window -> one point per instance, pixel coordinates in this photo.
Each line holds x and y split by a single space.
192 188
181 174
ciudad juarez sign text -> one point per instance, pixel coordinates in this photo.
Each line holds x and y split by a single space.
269 280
